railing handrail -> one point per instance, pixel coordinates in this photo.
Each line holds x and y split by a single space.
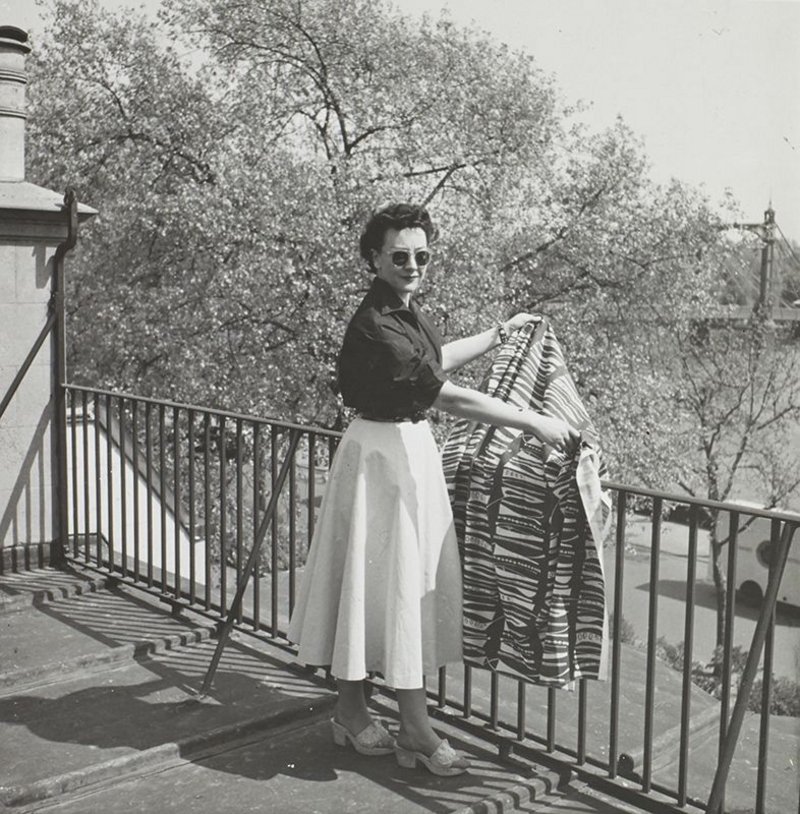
642 491
724 506
266 421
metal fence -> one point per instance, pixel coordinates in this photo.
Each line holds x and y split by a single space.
178 499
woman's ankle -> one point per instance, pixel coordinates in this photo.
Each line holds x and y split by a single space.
418 738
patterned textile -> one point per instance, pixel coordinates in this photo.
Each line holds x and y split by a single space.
530 524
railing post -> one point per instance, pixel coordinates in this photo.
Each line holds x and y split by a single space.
777 566
60 364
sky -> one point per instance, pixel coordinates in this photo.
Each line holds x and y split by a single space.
711 86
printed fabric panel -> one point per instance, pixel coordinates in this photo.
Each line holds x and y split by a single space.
530 524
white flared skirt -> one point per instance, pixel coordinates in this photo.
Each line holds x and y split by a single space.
381 590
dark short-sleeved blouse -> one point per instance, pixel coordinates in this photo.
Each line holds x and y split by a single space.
390 364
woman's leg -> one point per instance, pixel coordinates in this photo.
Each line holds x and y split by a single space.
351 708
416 733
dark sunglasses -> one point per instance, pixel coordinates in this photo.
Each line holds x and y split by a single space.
421 257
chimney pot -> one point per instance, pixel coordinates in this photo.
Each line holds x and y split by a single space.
13 48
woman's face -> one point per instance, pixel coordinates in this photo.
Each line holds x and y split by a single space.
403 260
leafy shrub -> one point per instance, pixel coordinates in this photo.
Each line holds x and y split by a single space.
784 692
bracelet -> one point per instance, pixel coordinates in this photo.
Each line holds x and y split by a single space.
502 333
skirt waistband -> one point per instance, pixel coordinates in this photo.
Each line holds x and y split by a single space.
393 419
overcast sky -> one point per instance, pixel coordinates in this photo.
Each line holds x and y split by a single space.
712 87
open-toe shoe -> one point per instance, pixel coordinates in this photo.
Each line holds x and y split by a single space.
375 739
444 761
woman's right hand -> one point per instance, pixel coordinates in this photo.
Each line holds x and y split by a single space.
554 432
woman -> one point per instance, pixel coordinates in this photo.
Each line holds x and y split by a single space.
382 589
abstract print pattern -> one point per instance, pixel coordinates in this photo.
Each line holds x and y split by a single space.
530 524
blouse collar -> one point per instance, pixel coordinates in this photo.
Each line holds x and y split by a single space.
386 298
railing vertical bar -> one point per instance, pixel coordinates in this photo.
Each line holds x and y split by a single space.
688 648
239 511
521 710
652 640
583 692
123 490
727 644
110 481
207 508
616 641
467 691
551 719
86 500
292 530
135 466
273 456
441 697
191 441
98 483
73 440
766 703
162 480
223 512
766 688
494 699
256 515
177 495
312 482
148 462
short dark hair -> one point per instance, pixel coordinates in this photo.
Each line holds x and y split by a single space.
394 216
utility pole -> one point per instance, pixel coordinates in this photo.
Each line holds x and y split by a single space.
766 302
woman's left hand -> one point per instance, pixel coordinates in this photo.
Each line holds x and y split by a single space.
517 321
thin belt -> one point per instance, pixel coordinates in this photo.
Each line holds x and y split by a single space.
394 419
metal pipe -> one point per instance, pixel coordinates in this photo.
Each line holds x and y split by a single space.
688 647
652 637
766 694
110 482
616 638
777 567
239 508
123 491
256 504
521 710
85 427
176 497
583 692
273 457
294 439
74 481
60 356
136 522
192 509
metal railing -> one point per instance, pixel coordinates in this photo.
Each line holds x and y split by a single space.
177 499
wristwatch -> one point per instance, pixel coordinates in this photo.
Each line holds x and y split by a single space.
502 333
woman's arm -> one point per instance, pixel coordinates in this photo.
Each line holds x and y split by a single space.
467 403
457 353
460 351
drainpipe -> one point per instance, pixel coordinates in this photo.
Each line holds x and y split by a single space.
60 372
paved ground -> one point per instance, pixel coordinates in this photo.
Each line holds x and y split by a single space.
98 713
